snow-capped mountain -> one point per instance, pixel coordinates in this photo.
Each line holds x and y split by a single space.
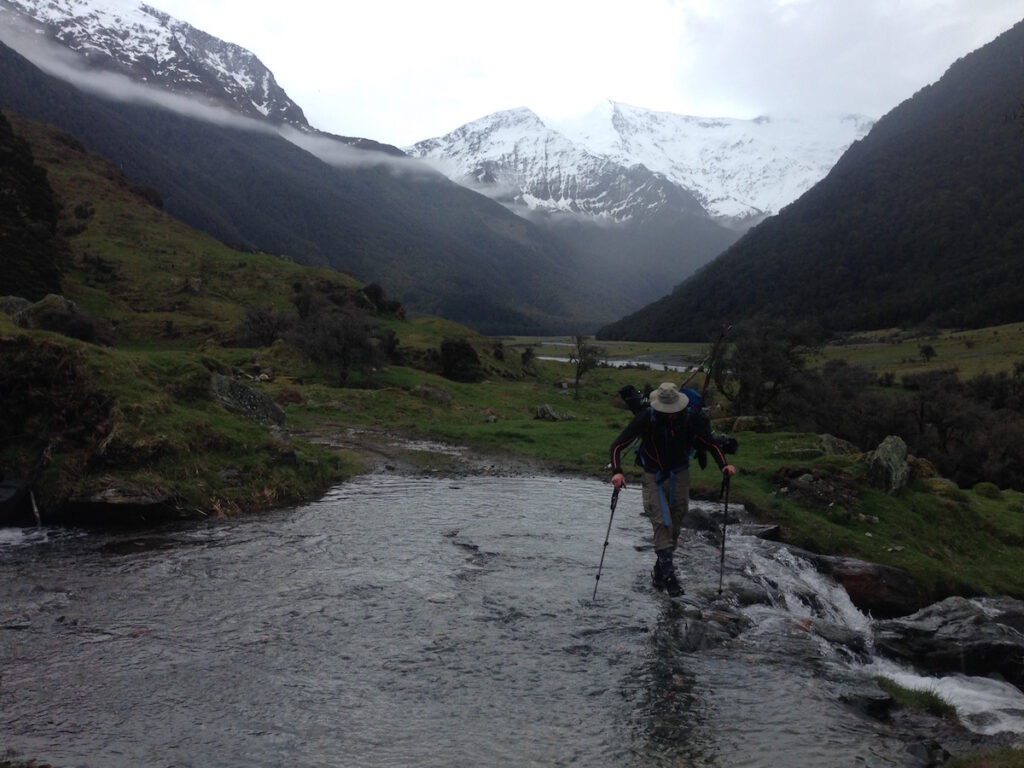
146 44
739 170
514 157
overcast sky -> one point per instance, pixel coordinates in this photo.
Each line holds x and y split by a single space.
399 71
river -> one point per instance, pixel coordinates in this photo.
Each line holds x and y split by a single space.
420 621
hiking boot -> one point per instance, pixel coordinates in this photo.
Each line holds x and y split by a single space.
657 580
671 585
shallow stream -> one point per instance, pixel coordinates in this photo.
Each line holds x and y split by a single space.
411 621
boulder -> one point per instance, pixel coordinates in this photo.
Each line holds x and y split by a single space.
12 305
887 465
238 397
436 394
53 313
983 636
835 446
547 413
752 424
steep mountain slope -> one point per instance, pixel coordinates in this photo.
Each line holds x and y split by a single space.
437 247
921 221
147 44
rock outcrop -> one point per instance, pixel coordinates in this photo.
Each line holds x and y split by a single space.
975 637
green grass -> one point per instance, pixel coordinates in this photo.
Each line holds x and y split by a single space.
970 353
1008 757
923 701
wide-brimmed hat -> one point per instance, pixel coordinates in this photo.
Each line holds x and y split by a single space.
668 399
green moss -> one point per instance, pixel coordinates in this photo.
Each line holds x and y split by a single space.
923 701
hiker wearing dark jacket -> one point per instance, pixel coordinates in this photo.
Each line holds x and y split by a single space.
668 433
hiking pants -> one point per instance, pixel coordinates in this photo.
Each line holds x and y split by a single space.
674 502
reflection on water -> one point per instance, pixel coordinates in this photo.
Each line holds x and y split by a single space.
411 621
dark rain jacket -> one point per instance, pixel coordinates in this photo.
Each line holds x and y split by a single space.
666 441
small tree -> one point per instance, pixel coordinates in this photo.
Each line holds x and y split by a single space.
584 356
927 352
262 327
764 361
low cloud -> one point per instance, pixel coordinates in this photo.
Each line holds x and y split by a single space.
72 68
339 154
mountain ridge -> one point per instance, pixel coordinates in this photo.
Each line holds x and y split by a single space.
162 50
920 222
737 171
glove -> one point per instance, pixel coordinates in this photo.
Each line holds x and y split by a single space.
619 480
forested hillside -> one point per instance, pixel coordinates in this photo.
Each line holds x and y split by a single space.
922 221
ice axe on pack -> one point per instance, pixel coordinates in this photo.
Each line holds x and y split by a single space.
607 535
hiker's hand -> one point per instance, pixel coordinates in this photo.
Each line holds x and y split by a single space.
729 470
619 481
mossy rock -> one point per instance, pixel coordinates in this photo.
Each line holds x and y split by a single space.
921 469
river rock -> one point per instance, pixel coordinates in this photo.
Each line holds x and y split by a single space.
974 637
887 465
881 590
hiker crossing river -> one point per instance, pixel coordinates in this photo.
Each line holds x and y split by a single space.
429 621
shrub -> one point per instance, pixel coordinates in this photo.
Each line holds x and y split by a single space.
988 490
262 327
337 336
459 361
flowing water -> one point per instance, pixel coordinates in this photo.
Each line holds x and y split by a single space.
405 621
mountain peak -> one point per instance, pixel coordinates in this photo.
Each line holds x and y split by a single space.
136 39
740 170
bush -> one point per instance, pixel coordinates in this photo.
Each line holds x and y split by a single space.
337 336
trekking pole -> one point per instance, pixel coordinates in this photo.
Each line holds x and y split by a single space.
615 499
725 522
